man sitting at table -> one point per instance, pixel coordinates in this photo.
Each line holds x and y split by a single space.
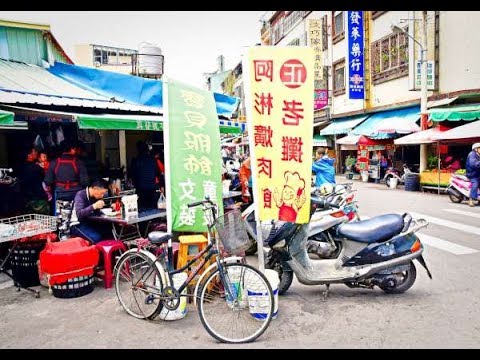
88 202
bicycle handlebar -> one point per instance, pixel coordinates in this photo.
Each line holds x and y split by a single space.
201 202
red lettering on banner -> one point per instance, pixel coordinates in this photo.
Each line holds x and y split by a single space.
292 112
293 73
265 101
267 198
263 68
263 135
292 148
265 167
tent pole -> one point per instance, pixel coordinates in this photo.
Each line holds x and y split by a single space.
438 152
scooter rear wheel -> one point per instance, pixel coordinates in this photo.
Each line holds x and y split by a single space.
409 277
454 198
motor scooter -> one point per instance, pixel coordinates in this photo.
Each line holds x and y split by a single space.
322 219
395 173
458 189
375 252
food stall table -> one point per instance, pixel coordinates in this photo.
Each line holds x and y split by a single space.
120 226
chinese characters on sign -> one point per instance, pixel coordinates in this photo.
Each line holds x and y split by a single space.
193 140
430 75
320 85
356 81
281 107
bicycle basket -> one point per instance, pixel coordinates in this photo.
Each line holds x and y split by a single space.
231 232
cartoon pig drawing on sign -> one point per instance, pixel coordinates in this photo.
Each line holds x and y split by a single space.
292 198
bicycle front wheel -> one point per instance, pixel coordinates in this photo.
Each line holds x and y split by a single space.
138 284
241 314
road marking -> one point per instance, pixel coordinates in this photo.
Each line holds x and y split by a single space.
445 245
463 212
452 224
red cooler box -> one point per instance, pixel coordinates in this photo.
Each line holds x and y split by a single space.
69 267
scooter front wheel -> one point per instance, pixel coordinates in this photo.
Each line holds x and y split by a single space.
454 198
285 276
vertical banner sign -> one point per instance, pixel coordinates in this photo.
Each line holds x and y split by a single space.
356 80
280 130
192 139
315 40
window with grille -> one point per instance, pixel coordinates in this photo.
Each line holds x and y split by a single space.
339 77
376 14
295 42
338 26
389 57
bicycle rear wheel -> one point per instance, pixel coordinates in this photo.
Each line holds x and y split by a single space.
138 284
244 313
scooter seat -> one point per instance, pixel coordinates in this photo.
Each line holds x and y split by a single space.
159 237
377 229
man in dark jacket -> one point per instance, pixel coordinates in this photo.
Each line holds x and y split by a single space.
88 202
67 173
144 172
473 172
31 178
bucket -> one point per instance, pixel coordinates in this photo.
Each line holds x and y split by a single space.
365 176
181 310
258 301
393 183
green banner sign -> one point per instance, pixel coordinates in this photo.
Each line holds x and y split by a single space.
192 140
119 122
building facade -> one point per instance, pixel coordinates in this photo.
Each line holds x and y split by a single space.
106 57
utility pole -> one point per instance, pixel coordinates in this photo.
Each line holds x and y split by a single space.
424 95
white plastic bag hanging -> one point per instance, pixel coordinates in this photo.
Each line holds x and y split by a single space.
38 143
162 202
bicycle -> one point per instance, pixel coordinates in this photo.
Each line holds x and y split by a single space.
228 287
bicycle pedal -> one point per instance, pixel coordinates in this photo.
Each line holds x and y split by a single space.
149 299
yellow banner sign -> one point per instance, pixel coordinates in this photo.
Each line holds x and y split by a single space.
281 108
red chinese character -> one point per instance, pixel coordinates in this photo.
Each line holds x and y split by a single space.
292 112
267 198
263 135
292 148
263 68
265 167
265 102
293 73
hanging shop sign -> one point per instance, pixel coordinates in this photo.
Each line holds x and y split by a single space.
280 101
192 140
356 79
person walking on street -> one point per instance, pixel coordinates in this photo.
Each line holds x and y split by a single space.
323 167
473 172
245 176
67 173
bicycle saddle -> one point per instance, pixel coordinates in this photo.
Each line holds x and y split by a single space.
158 237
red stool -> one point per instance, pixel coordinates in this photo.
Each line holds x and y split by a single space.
107 248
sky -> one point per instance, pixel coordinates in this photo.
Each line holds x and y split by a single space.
190 41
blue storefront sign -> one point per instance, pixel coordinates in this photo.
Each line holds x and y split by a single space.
356 80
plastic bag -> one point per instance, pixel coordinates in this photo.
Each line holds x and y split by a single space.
38 143
162 202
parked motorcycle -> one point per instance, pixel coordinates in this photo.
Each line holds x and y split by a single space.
395 173
375 252
458 189
322 219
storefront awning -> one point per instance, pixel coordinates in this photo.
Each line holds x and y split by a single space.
387 124
6 117
119 122
319 140
141 122
468 132
455 113
421 137
343 125
349 140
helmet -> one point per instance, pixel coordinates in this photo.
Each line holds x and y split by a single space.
476 145
325 189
